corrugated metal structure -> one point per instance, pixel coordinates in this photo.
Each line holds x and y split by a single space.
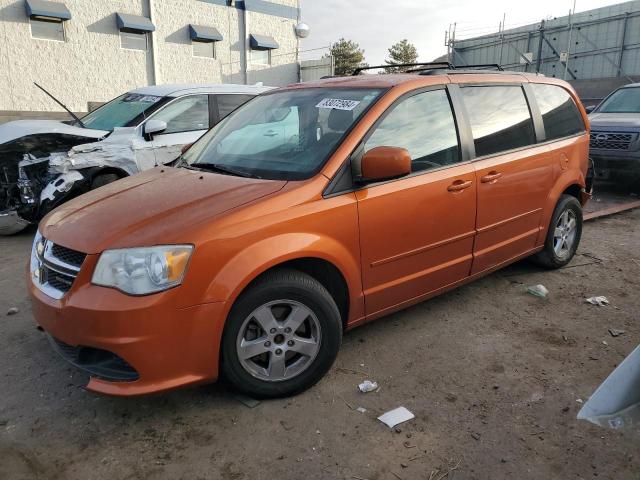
596 50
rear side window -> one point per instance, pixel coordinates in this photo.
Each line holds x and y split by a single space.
500 118
228 103
560 115
424 125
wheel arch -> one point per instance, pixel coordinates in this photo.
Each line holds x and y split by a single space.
108 170
323 258
571 183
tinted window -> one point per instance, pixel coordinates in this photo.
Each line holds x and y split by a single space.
185 114
228 103
424 125
499 117
133 40
625 100
559 113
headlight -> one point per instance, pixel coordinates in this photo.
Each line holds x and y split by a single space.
141 271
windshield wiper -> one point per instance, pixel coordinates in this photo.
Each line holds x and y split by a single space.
227 170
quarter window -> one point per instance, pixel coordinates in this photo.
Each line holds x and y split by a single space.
560 115
133 40
228 103
186 114
500 118
424 125
47 29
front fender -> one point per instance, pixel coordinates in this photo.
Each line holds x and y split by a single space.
240 270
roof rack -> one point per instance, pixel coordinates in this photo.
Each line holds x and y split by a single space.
426 66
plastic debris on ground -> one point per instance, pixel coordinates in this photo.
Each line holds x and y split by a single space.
368 386
616 333
538 291
616 402
12 311
361 409
396 417
599 301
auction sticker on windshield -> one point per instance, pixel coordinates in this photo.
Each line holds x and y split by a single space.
338 104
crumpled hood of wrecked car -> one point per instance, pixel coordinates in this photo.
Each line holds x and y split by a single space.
161 205
22 128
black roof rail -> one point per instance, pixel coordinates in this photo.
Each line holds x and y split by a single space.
426 66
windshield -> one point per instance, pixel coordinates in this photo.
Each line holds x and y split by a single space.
284 135
625 100
120 112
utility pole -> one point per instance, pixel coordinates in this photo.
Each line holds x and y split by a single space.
566 65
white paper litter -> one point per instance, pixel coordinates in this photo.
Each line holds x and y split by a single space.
361 409
600 301
538 291
368 386
396 417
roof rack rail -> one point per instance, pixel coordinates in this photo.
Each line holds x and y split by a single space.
428 65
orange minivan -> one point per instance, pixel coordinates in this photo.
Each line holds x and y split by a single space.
308 211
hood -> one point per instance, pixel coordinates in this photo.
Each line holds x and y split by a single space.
22 128
630 120
161 205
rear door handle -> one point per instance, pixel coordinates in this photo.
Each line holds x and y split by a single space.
491 177
459 185
271 133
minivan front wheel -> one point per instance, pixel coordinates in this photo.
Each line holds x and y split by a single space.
563 237
282 335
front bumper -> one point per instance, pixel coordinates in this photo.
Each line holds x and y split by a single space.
165 345
615 164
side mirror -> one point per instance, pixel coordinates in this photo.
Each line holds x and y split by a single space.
383 163
590 108
185 148
154 126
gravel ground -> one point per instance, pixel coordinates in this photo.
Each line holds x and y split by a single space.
492 374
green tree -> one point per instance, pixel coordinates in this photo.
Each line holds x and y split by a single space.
401 52
347 55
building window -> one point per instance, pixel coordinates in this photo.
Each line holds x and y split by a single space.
47 28
261 57
134 40
204 49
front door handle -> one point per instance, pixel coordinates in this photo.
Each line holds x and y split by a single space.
271 133
491 177
459 185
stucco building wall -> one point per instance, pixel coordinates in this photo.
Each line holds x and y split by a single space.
91 66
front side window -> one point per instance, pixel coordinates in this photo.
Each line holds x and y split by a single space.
204 49
47 29
500 118
424 125
228 103
560 115
185 114
261 57
625 100
121 111
285 135
133 40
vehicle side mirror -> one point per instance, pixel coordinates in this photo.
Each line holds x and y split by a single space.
185 148
154 127
590 108
384 163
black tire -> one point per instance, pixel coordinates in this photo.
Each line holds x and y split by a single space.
103 179
548 257
284 284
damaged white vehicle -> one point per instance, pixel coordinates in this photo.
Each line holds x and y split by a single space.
44 163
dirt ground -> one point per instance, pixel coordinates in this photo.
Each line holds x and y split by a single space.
493 375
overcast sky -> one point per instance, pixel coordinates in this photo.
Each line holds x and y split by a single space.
377 24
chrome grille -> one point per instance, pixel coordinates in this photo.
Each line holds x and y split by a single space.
54 267
611 140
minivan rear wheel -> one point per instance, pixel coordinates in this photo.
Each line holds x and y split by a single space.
282 335
563 236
